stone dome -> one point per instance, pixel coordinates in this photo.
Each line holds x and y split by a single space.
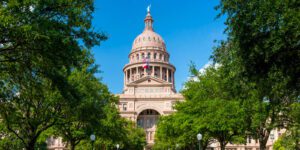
148 38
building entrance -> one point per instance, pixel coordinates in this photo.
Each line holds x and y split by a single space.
147 119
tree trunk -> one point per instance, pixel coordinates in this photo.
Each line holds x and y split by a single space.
223 145
191 147
30 144
262 145
72 145
204 144
264 135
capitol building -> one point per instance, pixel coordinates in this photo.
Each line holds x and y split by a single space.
149 83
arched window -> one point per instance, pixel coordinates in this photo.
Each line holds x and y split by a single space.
160 56
154 56
149 56
137 56
143 55
140 122
165 58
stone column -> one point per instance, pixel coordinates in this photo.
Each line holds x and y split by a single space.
161 77
173 80
152 55
125 72
124 78
167 75
137 72
152 74
130 75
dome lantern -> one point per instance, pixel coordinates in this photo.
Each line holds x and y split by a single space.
148 20
148 38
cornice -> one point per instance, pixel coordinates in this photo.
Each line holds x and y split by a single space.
165 64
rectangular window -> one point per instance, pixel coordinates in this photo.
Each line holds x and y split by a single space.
249 139
124 106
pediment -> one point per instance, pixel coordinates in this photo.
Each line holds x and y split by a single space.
148 80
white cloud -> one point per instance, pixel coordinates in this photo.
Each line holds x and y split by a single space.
203 69
208 64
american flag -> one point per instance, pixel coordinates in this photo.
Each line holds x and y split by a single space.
146 63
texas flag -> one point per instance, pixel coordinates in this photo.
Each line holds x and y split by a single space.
146 63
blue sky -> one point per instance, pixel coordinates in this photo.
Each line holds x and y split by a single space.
188 27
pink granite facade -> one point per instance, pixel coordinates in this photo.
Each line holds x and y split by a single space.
149 83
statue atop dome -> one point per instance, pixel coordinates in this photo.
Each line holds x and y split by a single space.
148 8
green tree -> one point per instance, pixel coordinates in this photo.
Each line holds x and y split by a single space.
266 36
41 42
135 137
178 131
114 130
264 111
212 107
263 43
31 112
119 131
8 141
79 121
212 99
289 140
